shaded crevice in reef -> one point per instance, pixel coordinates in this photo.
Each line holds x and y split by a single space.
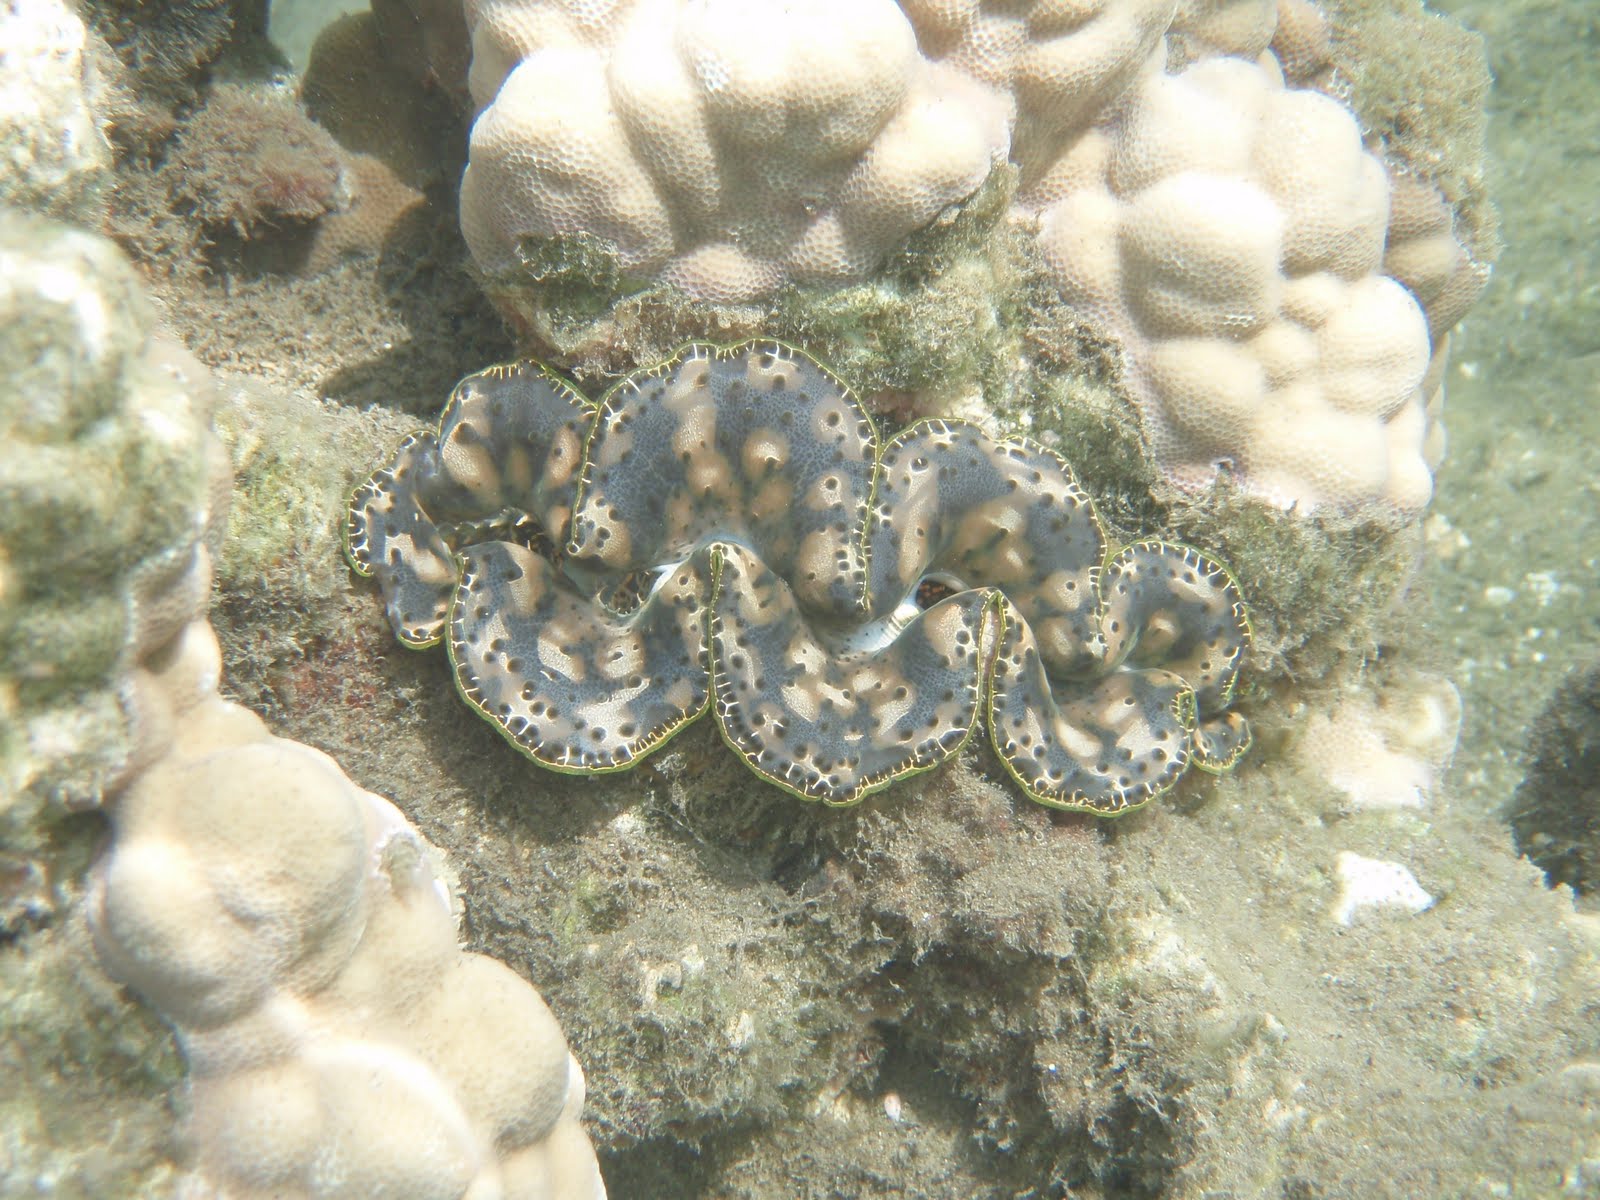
1555 814
327 247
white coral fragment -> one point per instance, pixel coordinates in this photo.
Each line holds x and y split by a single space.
1375 883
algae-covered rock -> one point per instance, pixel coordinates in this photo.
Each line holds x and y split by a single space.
110 483
52 138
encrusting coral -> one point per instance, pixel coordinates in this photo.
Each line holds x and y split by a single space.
725 530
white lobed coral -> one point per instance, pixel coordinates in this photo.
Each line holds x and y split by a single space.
1057 65
1385 753
1230 232
1204 28
1424 254
291 927
295 931
727 146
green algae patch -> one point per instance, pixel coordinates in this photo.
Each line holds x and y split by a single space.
294 461
1421 82
1326 591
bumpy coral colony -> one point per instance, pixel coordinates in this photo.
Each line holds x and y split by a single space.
727 531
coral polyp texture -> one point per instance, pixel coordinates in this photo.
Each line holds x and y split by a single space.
296 932
728 146
727 532
1229 230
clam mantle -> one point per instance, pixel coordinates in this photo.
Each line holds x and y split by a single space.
727 531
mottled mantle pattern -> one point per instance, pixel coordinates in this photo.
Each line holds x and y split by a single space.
728 531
